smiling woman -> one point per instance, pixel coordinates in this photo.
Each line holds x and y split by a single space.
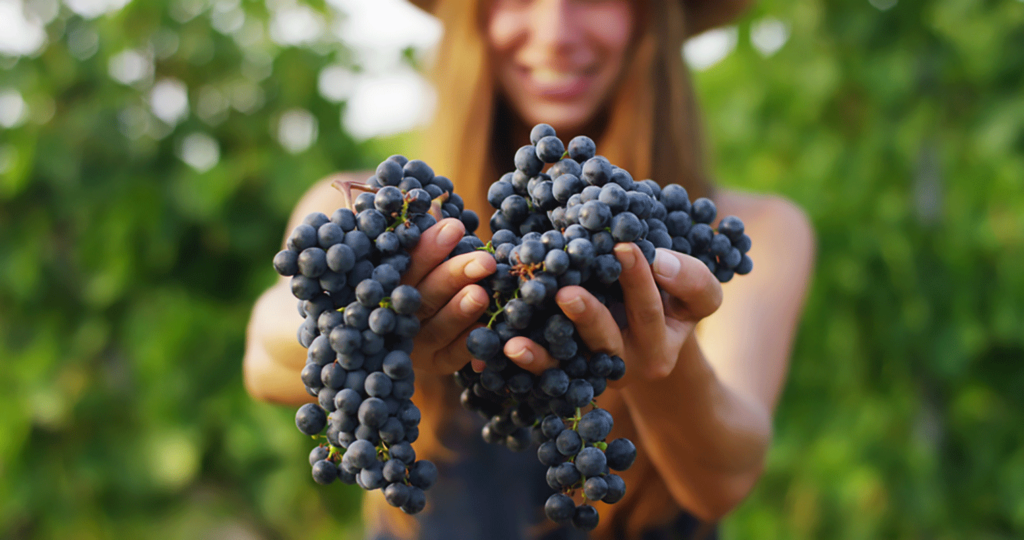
706 365
556 61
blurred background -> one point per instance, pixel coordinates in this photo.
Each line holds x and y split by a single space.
150 153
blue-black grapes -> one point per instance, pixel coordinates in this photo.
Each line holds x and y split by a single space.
358 327
554 229
550 229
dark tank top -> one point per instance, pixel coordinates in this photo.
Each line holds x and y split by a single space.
492 493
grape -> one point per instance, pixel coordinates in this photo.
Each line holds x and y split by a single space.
565 186
318 453
597 171
620 453
420 171
397 494
591 461
310 419
483 343
344 218
703 211
626 227
417 501
595 216
742 243
559 508
616 488
585 517
372 478
304 236
499 191
397 365
541 131
422 474
595 488
550 149
582 148
594 427
569 442
567 474
744 266
390 173
526 160
607 269
325 472
286 262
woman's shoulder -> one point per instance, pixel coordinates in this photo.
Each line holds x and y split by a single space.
771 221
768 209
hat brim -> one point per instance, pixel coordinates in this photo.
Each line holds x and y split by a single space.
701 15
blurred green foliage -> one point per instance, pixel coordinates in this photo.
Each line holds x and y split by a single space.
901 132
127 275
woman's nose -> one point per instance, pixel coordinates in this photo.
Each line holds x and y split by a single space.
552 25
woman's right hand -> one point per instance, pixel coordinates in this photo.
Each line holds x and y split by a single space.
452 302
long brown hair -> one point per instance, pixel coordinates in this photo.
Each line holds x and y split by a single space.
650 128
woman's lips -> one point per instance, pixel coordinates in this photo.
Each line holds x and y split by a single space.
554 84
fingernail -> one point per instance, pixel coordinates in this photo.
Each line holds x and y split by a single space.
468 304
449 234
574 306
666 265
475 270
523 357
625 256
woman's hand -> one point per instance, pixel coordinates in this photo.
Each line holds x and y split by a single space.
657 323
452 303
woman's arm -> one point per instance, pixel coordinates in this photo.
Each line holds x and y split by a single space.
273 355
707 425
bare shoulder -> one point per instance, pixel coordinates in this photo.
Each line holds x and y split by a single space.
321 197
781 232
771 219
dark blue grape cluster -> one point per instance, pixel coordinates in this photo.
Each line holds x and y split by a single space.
359 328
555 228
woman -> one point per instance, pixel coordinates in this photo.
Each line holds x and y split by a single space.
706 362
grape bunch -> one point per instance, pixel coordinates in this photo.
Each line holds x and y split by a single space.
558 228
359 328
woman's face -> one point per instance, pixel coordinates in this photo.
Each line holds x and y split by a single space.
557 61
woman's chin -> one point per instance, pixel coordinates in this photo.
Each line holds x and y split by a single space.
565 118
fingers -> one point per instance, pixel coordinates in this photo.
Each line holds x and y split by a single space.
442 338
653 354
593 321
529 355
451 276
690 282
435 244
454 356
644 310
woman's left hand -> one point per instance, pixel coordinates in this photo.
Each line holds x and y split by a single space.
658 323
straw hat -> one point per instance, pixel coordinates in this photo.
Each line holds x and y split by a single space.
701 14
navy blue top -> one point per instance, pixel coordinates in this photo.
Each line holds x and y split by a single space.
493 493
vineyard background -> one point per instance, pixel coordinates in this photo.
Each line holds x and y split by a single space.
136 231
